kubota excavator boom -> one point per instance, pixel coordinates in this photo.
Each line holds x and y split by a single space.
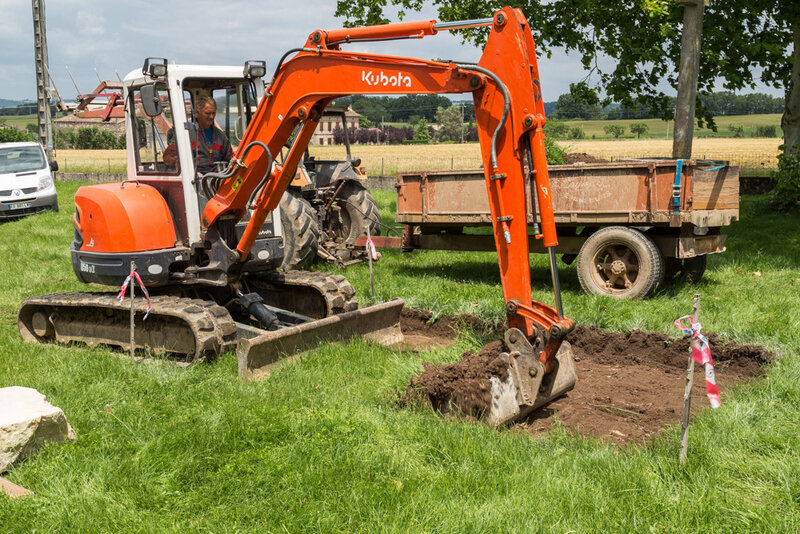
510 119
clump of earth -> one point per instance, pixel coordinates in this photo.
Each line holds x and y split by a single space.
629 385
582 157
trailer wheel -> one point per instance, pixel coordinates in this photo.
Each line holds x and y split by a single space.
620 262
300 230
355 211
687 271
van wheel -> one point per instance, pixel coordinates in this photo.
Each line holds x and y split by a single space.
300 230
620 262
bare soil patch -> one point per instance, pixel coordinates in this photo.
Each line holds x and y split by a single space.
630 386
420 334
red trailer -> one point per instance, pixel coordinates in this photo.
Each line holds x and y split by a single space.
631 225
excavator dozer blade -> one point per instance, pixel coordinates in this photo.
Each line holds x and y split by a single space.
258 355
527 387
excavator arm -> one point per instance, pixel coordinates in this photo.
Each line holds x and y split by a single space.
510 119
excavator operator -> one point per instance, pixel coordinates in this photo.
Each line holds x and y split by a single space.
210 145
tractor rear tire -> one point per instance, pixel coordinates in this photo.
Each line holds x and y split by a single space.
300 230
357 212
620 262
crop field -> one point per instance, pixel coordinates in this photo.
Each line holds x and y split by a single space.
322 446
754 155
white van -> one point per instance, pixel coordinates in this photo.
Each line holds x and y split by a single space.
26 182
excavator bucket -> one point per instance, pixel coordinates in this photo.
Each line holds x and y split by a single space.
259 352
527 386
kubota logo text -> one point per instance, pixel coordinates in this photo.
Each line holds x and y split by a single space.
381 78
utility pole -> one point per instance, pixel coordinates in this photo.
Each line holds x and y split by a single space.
462 123
687 77
42 77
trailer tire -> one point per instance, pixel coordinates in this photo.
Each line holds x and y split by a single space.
688 271
300 230
620 262
357 211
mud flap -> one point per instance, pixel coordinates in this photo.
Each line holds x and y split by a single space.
527 387
380 323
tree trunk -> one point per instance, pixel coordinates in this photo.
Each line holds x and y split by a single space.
790 122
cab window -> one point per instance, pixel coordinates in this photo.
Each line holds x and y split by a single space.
156 150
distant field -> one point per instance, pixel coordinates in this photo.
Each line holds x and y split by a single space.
659 129
755 156
91 160
18 121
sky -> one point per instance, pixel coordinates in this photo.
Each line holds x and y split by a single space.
114 38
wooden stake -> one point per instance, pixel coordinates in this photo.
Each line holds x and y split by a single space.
687 393
133 284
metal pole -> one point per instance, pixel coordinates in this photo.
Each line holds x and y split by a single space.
687 78
556 284
687 393
133 284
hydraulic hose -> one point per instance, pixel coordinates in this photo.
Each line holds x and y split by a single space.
233 166
506 104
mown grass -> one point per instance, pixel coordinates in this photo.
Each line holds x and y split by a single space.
320 446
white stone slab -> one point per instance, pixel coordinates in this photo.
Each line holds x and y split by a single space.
27 421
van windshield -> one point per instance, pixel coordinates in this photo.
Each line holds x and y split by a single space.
21 159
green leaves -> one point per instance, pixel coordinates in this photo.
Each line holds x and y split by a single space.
742 39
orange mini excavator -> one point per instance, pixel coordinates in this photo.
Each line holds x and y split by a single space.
210 246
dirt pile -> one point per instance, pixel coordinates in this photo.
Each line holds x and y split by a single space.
629 386
582 157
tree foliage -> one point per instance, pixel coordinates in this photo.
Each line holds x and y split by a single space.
639 128
786 194
450 126
380 109
568 107
742 39
614 129
12 135
88 138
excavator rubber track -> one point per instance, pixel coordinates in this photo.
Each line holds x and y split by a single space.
195 328
199 328
313 294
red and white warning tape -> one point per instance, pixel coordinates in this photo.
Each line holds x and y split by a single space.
701 353
124 287
371 250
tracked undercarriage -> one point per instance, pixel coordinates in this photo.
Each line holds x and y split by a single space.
196 323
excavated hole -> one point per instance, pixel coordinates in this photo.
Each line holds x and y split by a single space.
630 386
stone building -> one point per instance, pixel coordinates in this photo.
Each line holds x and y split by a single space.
330 120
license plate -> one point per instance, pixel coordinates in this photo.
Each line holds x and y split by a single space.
19 205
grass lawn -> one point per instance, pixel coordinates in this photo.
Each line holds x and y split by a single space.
319 446
19 121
